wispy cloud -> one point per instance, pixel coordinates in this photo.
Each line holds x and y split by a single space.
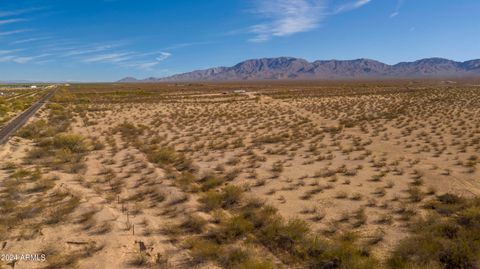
163 56
87 50
189 44
6 33
109 57
144 61
11 13
397 9
287 17
4 52
9 21
54 49
351 6
147 64
28 40
7 57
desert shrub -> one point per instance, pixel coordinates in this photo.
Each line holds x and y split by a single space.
282 235
235 227
59 212
234 256
255 264
271 139
185 180
228 197
59 117
231 195
36 129
60 260
9 166
259 215
55 107
210 181
72 142
184 164
128 130
139 260
445 239
232 174
97 144
340 253
449 198
194 224
211 200
415 194
163 156
42 185
203 250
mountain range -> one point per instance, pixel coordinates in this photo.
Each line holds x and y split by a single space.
288 68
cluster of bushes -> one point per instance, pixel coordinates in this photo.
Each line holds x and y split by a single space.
54 145
448 238
163 156
59 119
167 157
271 139
230 257
294 242
254 223
129 131
29 200
227 198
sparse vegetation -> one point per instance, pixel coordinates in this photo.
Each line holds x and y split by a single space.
311 177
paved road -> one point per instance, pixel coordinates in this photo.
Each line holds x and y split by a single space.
20 120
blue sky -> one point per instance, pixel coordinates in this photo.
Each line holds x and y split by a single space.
106 40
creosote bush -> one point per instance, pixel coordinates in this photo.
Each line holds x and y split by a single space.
448 238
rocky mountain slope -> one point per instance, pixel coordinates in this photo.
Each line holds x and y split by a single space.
295 68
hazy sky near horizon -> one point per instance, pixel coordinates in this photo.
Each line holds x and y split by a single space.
106 40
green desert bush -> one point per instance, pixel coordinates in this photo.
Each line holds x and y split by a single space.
203 250
233 256
72 142
35 130
194 224
255 264
235 227
448 238
339 253
231 195
211 200
163 156
226 198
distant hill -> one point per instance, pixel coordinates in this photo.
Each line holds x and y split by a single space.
285 68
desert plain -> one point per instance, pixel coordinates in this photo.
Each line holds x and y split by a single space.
369 174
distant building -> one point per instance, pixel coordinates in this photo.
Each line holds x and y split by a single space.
239 91
33 87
